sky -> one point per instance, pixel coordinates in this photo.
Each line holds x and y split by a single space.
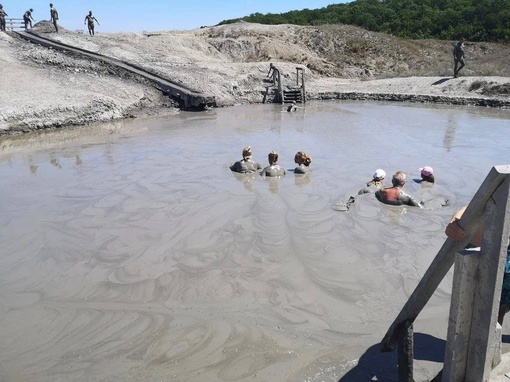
154 15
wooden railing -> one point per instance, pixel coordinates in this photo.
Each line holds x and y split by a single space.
14 24
472 335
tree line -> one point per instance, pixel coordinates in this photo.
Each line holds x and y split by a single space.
476 20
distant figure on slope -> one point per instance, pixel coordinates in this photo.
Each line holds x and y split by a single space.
246 165
395 195
89 19
54 17
27 18
458 57
274 169
375 184
2 18
303 161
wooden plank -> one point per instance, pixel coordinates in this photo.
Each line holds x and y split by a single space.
445 257
486 299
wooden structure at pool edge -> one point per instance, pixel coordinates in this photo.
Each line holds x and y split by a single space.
296 93
474 337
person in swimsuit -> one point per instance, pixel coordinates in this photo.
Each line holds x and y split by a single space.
303 161
375 184
2 18
89 19
246 165
458 57
54 17
395 195
457 233
27 18
274 169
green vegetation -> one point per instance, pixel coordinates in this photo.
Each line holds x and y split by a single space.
477 20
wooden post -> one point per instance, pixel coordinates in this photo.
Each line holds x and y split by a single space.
471 339
405 353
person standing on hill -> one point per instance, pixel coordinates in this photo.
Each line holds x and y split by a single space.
2 18
89 19
27 18
54 17
458 57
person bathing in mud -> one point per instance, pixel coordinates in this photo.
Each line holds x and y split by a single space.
375 184
395 195
89 20
246 165
427 174
303 161
274 169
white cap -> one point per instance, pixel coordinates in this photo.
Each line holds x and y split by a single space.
379 174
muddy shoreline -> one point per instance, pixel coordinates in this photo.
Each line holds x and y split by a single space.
50 89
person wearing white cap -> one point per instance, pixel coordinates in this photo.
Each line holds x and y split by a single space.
427 174
375 184
395 195
246 165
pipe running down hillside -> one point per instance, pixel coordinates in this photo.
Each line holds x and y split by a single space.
187 98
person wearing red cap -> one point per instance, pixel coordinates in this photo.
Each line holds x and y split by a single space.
427 174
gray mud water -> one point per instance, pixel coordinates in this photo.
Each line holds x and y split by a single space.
129 251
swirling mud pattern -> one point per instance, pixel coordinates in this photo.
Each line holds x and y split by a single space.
130 252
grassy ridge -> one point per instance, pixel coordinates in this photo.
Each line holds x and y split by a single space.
477 20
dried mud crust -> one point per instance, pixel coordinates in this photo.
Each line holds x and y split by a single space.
231 62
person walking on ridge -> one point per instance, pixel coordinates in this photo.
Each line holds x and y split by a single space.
458 57
90 20
27 18
54 17
2 18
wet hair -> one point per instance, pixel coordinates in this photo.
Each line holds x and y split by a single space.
272 157
247 152
399 179
301 157
428 178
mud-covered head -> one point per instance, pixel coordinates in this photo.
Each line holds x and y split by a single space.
399 179
302 158
247 152
272 157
